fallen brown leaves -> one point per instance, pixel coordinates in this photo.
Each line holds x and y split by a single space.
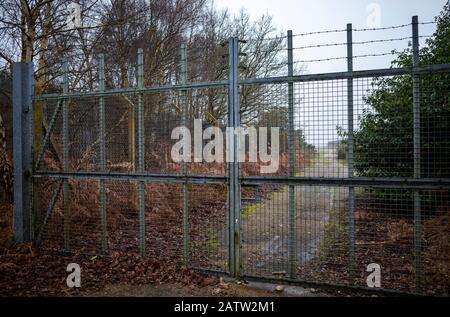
25 271
28 271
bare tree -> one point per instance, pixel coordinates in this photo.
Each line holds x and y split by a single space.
264 54
36 30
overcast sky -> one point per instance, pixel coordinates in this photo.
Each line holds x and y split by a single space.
321 107
302 16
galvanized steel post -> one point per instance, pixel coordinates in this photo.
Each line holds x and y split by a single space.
101 116
351 190
65 132
234 194
292 226
184 113
141 152
22 150
416 141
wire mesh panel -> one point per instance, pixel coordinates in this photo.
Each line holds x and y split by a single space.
83 134
337 234
83 229
434 125
265 130
322 234
264 231
164 221
48 217
384 222
385 235
383 139
320 217
77 230
162 114
122 216
320 115
207 123
208 227
435 238
52 150
120 133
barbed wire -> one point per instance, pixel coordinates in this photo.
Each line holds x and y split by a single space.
394 27
376 55
319 32
192 58
196 56
302 34
429 22
345 30
340 44
359 43
265 51
272 38
345 57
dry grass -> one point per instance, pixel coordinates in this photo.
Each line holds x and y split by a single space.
389 241
436 234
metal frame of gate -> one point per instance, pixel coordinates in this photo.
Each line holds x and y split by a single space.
26 162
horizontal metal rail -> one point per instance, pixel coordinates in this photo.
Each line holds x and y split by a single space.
270 80
133 90
403 183
145 177
354 74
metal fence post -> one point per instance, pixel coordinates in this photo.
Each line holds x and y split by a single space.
292 240
183 53
416 141
141 152
234 194
36 148
65 132
351 190
237 164
22 151
101 115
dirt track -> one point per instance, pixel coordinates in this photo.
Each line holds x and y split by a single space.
265 230
228 289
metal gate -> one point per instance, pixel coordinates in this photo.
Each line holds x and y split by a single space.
340 207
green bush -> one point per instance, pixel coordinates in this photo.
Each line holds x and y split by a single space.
383 144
